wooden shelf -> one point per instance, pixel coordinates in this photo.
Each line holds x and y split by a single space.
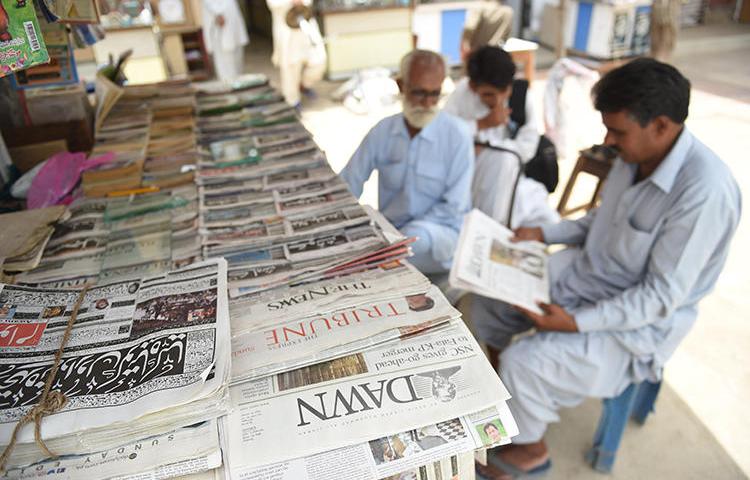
198 68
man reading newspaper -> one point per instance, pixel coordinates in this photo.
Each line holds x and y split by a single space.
627 294
425 163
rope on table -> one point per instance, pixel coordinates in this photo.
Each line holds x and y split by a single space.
49 402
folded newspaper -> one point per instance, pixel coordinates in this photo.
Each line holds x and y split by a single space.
143 358
488 263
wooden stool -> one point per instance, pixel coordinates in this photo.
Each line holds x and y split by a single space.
596 161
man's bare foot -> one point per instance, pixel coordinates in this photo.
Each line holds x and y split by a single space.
524 457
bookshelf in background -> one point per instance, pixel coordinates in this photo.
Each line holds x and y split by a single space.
197 58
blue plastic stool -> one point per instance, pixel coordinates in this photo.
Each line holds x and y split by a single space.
636 402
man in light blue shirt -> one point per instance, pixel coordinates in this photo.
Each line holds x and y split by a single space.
627 291
425 163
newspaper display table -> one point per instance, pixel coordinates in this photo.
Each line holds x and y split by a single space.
338 359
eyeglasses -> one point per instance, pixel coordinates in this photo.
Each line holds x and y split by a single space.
421 94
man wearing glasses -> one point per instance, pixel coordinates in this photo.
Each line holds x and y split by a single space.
425 162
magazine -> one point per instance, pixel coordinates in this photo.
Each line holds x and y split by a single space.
21 40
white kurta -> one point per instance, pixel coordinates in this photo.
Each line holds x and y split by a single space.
300 56
226 43
491 179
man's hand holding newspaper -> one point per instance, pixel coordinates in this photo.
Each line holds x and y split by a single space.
554 317
492 262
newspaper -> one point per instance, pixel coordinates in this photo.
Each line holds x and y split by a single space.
489 264
137 347
58 270
263 309
216 129
305 215
299 206
76 248
393 454
256 149
219 105
184 451
420 381
261 268
358 255
120 239
250 196
295 175
248 230
293 168
79 227
456 467
151 247
292 343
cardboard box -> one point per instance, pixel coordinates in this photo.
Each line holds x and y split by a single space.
28 156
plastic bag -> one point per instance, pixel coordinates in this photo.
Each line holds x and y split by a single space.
59 176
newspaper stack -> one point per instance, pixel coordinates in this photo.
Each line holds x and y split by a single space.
171 151
25 235
151 130
341 352
121 238
391 380
232 111
146 364
73 255
125 132
271 205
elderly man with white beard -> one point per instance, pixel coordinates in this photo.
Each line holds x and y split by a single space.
425 161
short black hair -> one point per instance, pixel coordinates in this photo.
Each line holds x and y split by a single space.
491 66
646 88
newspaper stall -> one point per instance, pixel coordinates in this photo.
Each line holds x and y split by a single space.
305 346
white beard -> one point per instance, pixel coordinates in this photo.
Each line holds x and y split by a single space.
418 117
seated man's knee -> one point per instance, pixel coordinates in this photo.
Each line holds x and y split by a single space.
424 253
496 322
514 360
424 240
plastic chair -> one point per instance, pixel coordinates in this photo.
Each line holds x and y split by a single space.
636 402
496 174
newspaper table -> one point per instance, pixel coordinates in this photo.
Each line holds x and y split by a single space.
489 264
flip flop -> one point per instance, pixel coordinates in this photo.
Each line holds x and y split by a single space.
515 471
